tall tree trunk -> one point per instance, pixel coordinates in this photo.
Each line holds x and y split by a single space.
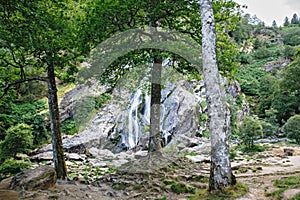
58 152
220 170
155 136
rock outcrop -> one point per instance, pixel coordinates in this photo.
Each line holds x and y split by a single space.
123 123
43 177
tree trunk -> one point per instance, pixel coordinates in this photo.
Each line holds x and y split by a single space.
155 136
220 170
58 152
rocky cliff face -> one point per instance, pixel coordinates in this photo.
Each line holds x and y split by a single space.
123 123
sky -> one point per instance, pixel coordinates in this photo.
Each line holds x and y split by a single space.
269 10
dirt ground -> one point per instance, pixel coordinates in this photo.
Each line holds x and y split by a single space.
137 181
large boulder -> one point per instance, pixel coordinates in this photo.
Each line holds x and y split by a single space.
42 177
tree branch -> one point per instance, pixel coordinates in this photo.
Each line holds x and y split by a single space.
9 85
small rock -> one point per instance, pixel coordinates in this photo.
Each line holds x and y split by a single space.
109 193
21 156
197 158
75 156
48 155
140 154
118 163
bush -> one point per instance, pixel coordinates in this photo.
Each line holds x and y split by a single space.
268 129
18 139
292 128
262 53
29 113
11 166
250 129
68 127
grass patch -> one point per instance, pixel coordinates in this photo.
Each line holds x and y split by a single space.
291 182
285 184
233 192
182 188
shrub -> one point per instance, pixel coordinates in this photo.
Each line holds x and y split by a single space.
250 129
262 53
68 127
268 129
292 128
18 139
11 166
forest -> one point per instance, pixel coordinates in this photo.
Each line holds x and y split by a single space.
147 100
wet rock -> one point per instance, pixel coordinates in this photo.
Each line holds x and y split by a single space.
43 177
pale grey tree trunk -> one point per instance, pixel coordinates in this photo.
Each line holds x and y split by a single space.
220 170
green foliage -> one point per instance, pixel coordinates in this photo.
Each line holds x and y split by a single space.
262 53
288 52
68 127
28 113
292 128
286 98
11 166
292 36
249 77
267 88
32 91
18 139
268 129
250 130
295 19
286 21
245 58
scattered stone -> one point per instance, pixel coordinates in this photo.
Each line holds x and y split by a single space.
48 155
288 152
75 156
290 193
21 156
140 154
43 177
197 158
100 153
118 163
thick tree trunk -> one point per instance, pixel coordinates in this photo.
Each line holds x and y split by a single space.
220 170
58 152
155 143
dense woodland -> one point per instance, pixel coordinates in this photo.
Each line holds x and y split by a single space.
43 43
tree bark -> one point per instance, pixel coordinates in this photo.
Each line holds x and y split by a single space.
220 170
155 143
58 152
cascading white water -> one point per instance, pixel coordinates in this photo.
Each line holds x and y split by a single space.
133 123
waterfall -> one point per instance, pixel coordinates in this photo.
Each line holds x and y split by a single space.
133 119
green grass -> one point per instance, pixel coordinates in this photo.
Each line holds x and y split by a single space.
283 185
233 192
